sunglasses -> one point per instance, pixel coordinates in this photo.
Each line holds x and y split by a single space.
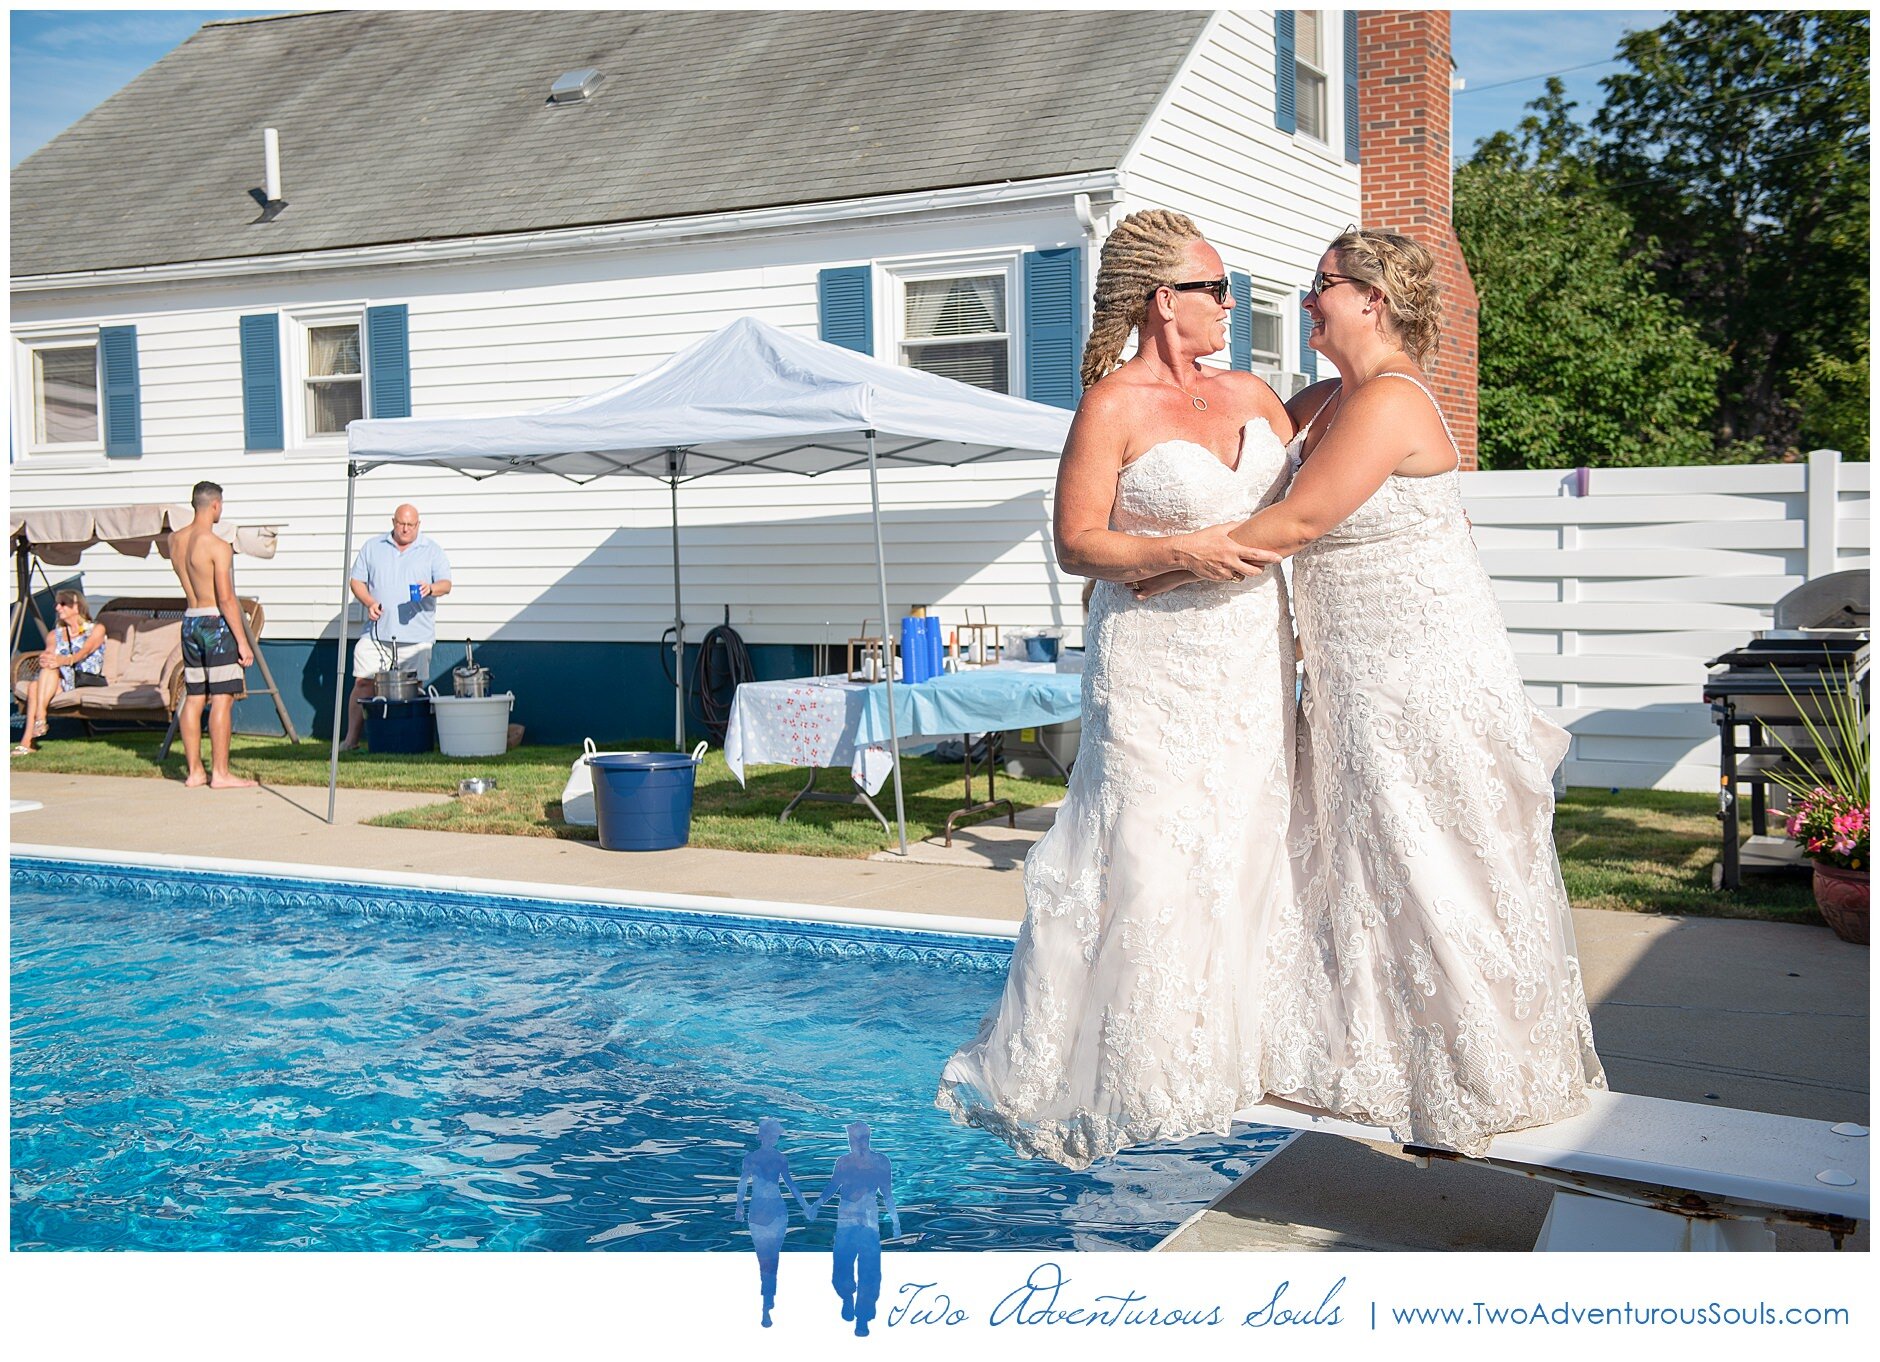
1322 281
1217 288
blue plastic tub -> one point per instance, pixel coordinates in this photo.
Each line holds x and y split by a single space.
399 725
643 800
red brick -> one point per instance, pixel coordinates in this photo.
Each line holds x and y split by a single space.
1403 103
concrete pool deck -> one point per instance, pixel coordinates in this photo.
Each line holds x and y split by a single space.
1757 1015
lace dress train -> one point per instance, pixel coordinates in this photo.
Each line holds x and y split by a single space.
1424 979
1133 1009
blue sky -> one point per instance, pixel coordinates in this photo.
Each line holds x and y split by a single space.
67 62
1496 46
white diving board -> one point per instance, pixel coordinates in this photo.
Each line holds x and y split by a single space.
1637 1172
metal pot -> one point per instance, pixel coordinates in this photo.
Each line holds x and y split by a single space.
470 682
401 684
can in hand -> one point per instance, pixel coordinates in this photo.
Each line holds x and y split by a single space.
417 592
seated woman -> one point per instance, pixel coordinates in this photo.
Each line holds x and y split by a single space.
75 658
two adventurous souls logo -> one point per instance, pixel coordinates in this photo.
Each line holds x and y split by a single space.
1046 1298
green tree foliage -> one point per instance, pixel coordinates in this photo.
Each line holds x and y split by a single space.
1582 361
1739 143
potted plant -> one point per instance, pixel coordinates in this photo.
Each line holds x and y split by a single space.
1831 813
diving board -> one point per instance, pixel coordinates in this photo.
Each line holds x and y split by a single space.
1636 1172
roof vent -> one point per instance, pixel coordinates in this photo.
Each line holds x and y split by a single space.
574 86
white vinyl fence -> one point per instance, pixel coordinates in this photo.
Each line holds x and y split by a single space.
1618 584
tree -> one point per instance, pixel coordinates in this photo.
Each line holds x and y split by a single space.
1582 361
1738 142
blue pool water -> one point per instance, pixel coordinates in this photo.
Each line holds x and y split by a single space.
218 1063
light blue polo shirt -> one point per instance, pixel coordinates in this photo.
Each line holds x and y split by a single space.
389 575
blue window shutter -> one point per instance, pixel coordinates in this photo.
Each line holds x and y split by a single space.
388 361
1308 357
261 382
1054 314
1240 322
1351 85
1286 97
123 414
845 307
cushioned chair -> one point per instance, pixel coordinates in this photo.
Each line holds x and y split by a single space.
143 664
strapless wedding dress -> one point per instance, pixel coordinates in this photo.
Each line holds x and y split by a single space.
1134 1008
1425 978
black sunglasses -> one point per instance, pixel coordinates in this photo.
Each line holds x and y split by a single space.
1216 287
1322 281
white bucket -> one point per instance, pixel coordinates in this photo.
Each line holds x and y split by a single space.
472 726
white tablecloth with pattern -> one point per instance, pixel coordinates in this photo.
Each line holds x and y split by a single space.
811 721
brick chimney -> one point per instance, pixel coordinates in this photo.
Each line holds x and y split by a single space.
1403 101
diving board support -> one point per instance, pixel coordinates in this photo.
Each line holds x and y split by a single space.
1645 1173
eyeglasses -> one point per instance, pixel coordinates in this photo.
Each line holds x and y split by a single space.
1215 287
1322 281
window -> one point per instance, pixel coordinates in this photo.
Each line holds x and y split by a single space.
1309 71
958 326
65 394
335 381
1267 355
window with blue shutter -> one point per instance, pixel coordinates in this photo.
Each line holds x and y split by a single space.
388 361
262 425
1308 357
1054 315
1240 322
845 307
1351 85
123 414
1285 101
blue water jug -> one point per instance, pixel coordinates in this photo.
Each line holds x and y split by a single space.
936 650
914 650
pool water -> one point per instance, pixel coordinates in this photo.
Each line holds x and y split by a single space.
240 1068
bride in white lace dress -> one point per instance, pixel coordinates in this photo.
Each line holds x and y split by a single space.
1132 1010
1424 978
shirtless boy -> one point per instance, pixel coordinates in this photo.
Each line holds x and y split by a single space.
215 644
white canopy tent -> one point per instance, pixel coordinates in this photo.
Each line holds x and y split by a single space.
749 398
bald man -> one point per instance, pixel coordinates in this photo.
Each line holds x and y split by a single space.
397 577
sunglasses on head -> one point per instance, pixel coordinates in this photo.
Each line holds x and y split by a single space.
1217 288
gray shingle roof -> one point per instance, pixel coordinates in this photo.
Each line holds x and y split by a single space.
402 126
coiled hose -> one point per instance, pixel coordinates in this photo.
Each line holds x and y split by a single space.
723 664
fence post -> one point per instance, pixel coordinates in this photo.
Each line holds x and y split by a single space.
1823 510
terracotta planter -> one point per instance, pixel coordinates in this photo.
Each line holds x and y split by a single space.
1842 897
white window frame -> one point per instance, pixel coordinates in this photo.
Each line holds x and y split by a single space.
891 301
295 376
1328 55
1266 296
26 347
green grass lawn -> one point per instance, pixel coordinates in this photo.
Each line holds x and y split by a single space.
1647 851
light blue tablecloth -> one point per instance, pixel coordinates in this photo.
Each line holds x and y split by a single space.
977 700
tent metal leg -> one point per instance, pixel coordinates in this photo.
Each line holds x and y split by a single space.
345 628
673 458
887 649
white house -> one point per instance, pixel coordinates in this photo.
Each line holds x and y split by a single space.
482 212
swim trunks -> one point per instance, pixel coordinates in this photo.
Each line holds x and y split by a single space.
211 661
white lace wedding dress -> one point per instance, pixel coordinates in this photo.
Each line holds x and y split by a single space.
1424 978
1133 1008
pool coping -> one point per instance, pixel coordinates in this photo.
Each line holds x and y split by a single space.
991 930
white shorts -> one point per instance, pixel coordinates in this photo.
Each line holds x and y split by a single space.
371 657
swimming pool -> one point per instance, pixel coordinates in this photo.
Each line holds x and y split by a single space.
247 1061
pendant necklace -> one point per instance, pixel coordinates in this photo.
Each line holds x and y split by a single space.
1201 403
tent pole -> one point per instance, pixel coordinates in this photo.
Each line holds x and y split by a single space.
887 642
678 617
345 622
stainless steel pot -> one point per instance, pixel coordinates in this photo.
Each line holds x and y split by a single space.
470 682
401 684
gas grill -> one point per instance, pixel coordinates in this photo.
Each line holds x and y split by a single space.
1764 688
